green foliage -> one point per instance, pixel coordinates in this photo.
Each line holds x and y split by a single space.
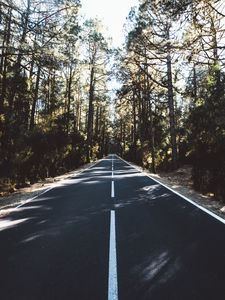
191 35
43 90
52 153
207 139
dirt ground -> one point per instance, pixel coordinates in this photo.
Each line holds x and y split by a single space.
179 180
20 196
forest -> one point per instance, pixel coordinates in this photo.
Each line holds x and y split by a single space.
57 111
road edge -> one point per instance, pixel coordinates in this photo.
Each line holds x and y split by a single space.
212 214
56 185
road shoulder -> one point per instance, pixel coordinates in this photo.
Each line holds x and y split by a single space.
10 202
207 202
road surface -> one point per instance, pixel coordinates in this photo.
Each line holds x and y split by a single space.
111 233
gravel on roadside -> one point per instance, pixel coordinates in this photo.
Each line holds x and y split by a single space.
22 195
180 181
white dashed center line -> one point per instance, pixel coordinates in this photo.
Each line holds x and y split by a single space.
112 280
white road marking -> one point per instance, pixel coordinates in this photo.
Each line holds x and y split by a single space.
55 185
177 193
112 279
112 190
112 184
33 198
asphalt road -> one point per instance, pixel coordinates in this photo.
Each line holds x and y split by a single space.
111 233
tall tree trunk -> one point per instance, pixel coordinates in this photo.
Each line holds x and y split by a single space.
152 138
90 116
173 133
216 58
4 60
17 65
134 126
97 119
152 129
33 108
78 112
103 146
195 91
69 82
23 37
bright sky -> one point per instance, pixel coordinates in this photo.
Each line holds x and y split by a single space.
113 13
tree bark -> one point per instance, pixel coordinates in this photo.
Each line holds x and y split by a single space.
33 108
173 134
90 116
3 64
68 100
134 126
